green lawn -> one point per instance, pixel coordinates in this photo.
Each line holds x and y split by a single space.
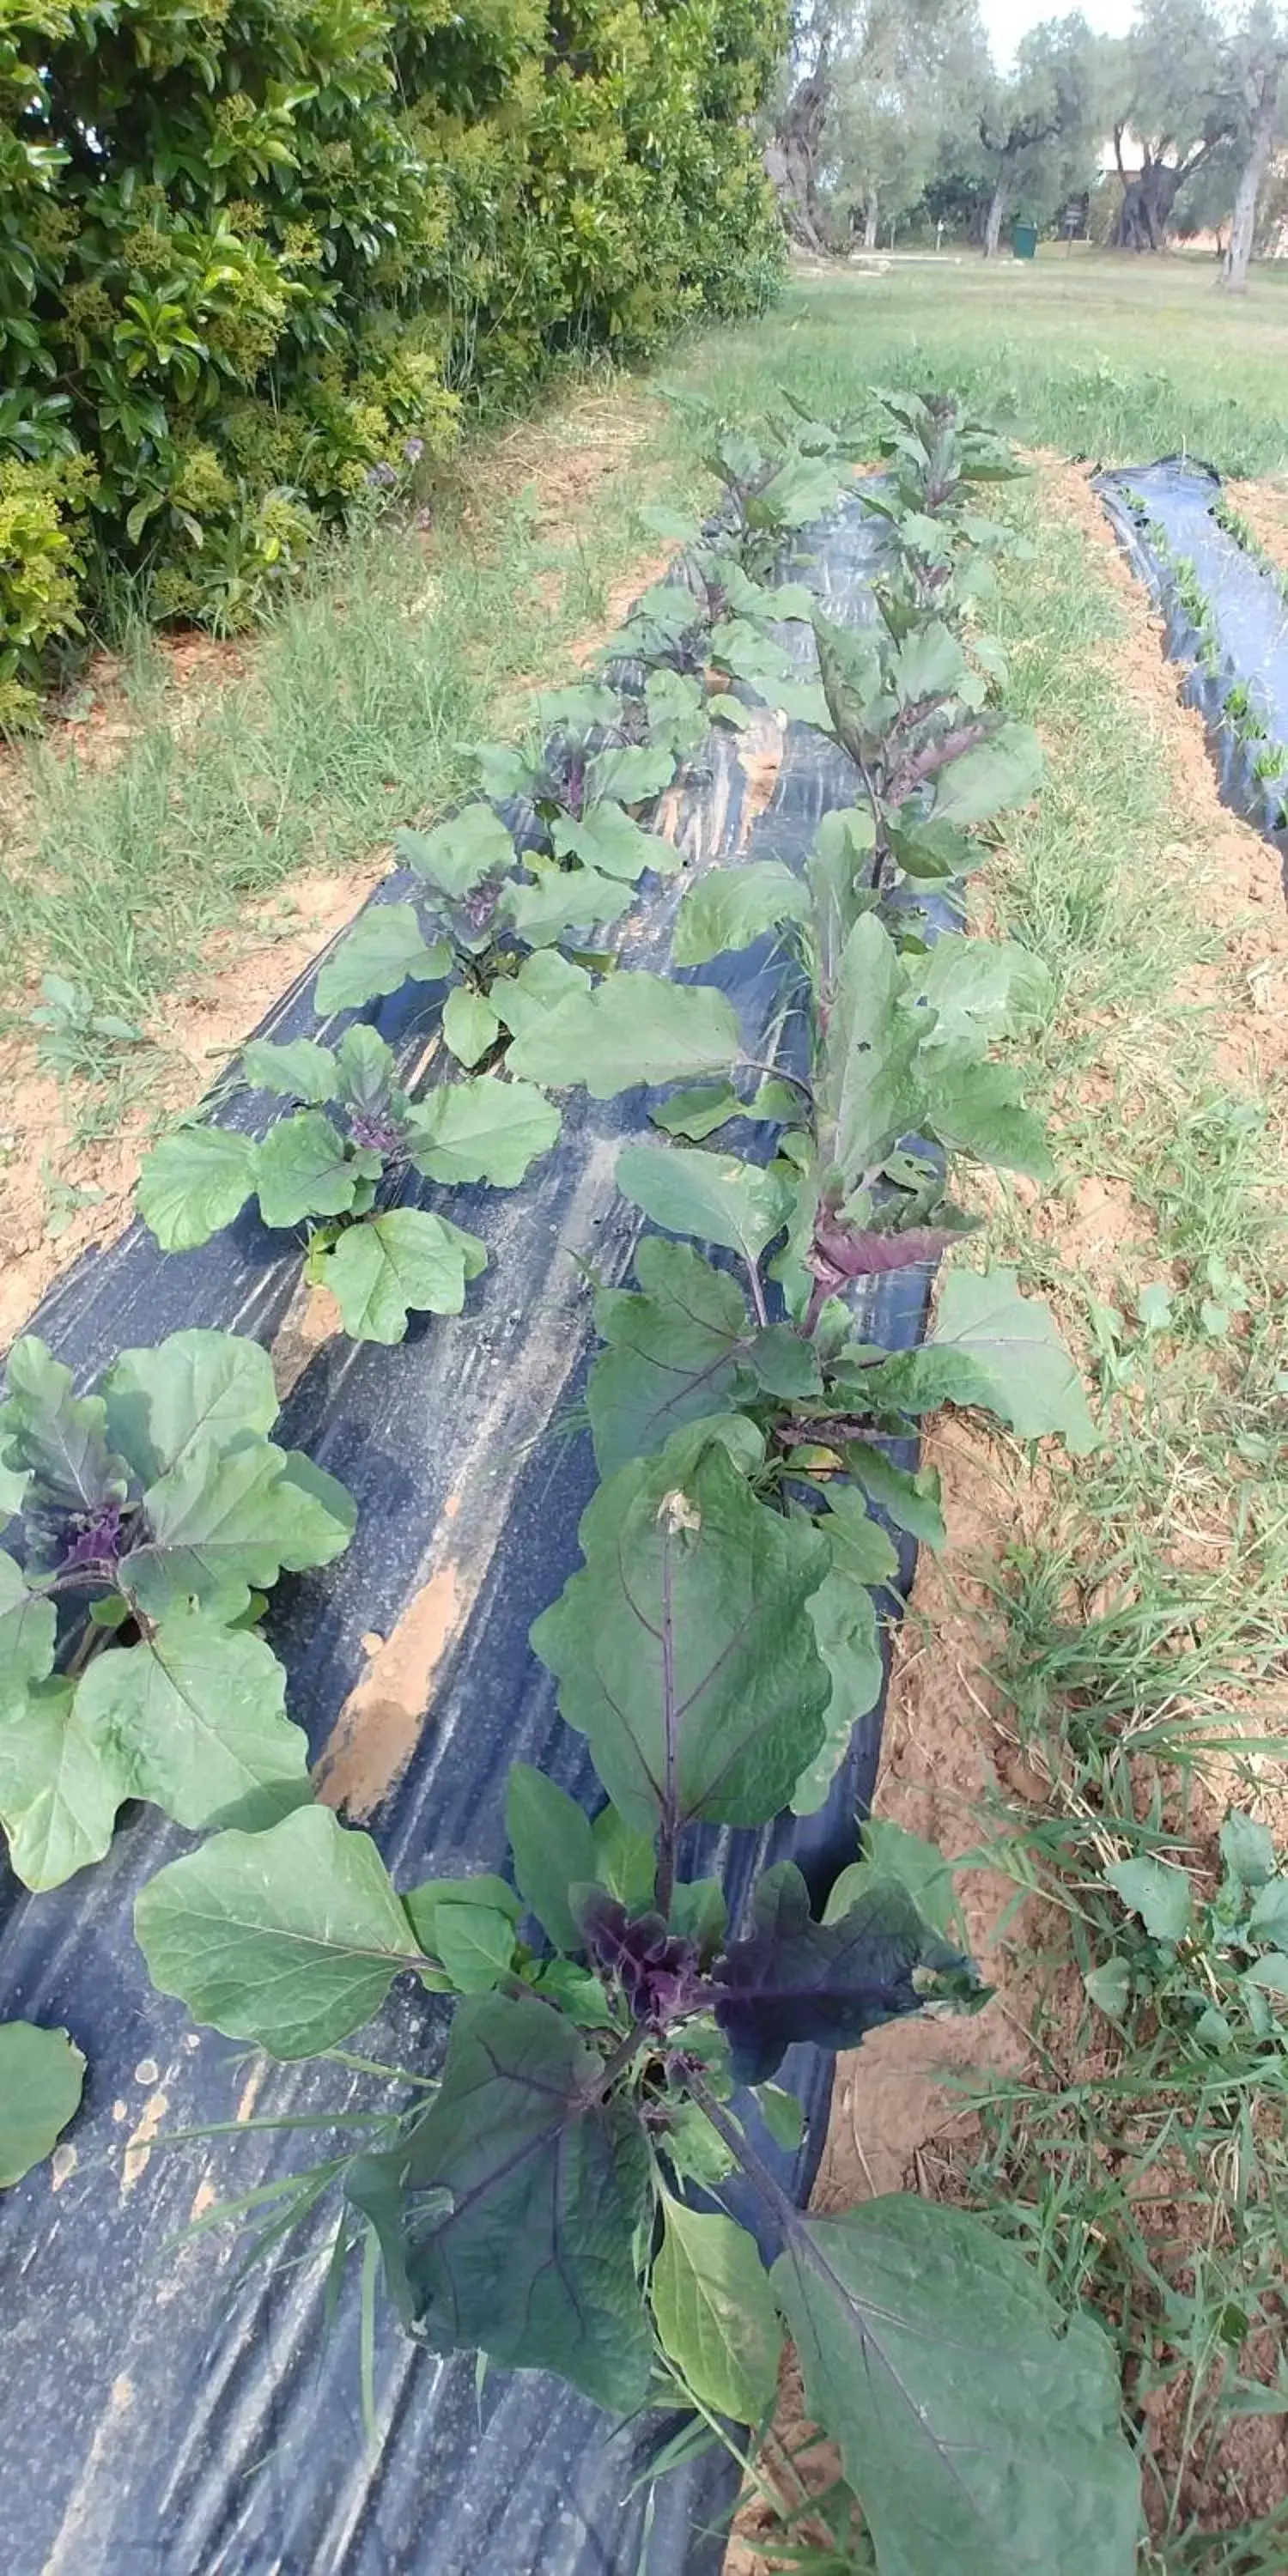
1117 359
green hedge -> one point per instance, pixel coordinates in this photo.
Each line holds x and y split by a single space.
256 254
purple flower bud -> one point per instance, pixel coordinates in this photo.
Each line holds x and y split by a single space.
657 1972
375 1131
97 1539
382 475
413 450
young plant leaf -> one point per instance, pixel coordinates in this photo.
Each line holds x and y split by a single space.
194 1182
470 1025
823 1983
481 1130
561 900
58 1438
385 949
715 2312
632 1028
977 2424
458 854
712 1196
684 1650
290 1937
475 1944
304 1168
1163 1897
225 1521
389 1264
553 1848
549 2183
41 2074
197 1714
544 980
867 1090
612 841
992 1347
671 1352
196 1385
1003 772
728 908
60 1785
911 1500
300 1070
845 1627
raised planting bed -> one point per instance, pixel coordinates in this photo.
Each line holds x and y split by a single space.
542 2167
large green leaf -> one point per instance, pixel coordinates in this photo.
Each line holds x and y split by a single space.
978 2426
41 2073
458 854
194 1182
849 1641
565 899
549 2183
992 1347
385 949
730 907
60 1785
715 2312
225 1521
611 841
289 1937
1005 771
670 1354
300 1070
713 1196
470 1025
305 1168
197 1714
553 1845
196 1385
867 1089
544 980
929 664
28 1627
974 1107
825 1983
684 1650
631 1028
978 987
481 1130
60 1439
629 773
381 1269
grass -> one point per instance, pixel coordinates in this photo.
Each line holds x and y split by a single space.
1114 358
355 714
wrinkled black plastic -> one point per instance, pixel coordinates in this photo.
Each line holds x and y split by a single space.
156 2413
1248 611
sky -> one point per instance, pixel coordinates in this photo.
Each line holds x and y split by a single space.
1007 20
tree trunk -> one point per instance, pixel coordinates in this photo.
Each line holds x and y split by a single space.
996 211
791 156
1234 275
870 221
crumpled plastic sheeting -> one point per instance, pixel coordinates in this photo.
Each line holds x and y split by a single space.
1248 610
160 2413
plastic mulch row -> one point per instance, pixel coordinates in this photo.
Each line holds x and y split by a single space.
1247 609
162 2411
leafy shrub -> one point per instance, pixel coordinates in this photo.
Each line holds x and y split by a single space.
252 260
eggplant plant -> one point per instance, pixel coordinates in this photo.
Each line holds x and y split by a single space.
562 2194
945 548
156 1516
936 757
